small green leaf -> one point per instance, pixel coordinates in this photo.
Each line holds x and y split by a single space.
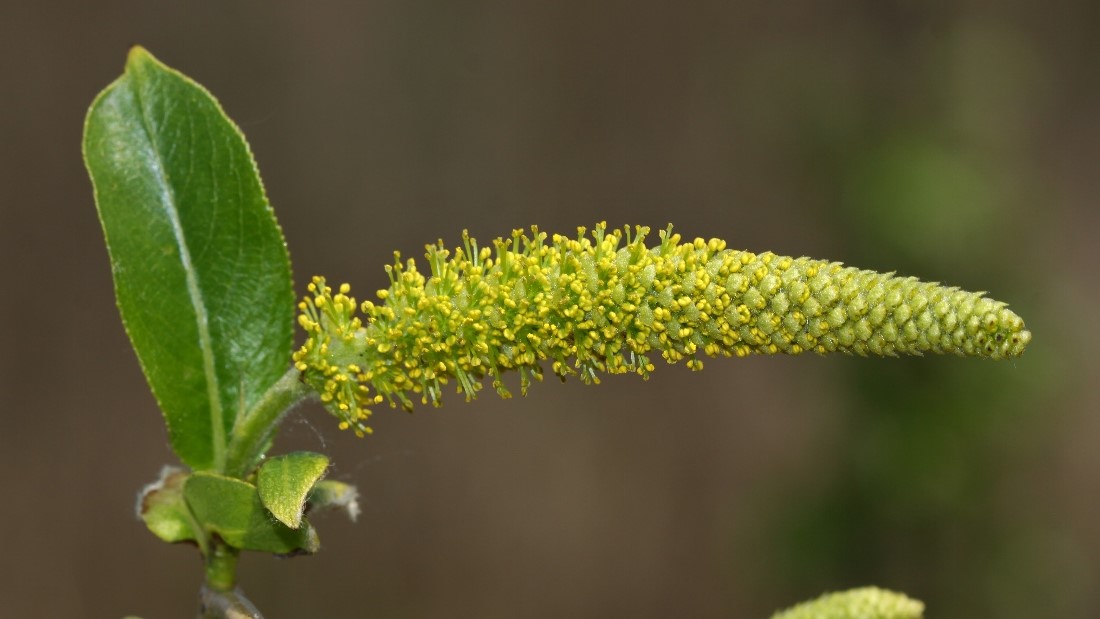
231 508
284 483
335 494
163 509
201 271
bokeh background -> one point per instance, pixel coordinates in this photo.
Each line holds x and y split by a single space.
953 140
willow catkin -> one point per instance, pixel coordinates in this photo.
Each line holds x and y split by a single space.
862 603
609 304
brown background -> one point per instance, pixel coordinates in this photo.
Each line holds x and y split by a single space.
949 140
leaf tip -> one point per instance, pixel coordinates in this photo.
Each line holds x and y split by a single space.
139 58
138 54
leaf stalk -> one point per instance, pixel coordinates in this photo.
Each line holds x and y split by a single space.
254 429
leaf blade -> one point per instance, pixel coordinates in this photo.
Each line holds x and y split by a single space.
162 507
232 509
284 483
201 271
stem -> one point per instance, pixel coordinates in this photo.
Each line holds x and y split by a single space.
220 598
226 605
252 431
221 566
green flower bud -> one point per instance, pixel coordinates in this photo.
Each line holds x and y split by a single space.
864 603
608 304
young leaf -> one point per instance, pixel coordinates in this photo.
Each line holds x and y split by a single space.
328 494
284 483
232 509
163 509
201 271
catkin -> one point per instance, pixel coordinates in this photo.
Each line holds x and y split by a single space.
607 303
862 603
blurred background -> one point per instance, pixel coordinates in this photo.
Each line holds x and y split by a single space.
954 141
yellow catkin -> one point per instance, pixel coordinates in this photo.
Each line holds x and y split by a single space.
607 303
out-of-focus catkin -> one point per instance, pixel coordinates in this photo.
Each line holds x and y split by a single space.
862 603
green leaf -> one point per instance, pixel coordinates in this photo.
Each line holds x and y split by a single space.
337 495
284 483
162 507
201 271
232 509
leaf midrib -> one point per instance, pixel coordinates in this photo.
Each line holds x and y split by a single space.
213 390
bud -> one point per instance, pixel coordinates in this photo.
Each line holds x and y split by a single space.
609 304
